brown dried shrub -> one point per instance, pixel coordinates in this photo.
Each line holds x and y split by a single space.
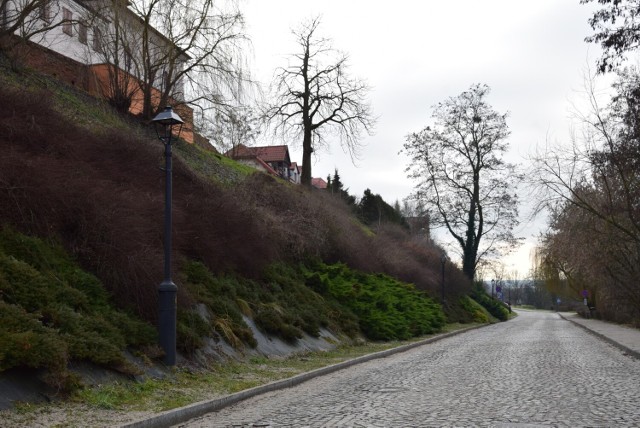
102 194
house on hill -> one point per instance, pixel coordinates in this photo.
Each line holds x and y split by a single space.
96 45
319 183
274 160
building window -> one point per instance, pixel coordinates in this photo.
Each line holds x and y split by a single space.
67 25
45 10
82 33
97 40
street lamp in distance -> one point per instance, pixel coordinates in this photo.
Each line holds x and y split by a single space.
167 123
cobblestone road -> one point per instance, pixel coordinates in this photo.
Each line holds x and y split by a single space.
536 370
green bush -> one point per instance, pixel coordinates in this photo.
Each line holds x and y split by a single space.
273 320
279 303
52 312
494 306
478 313
386 308
219 294
191 329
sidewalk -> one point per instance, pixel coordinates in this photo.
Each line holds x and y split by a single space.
625 338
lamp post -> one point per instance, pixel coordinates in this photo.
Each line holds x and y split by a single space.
493 285
165 122
443 260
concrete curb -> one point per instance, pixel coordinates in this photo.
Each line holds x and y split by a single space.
607 339
183 414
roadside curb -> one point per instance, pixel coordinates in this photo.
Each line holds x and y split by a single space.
607 339
183 414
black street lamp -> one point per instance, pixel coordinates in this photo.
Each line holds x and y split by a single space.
493 285
165 122
443 260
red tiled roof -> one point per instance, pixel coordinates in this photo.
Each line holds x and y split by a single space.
267 167
273 153
266 153
318 183
294 166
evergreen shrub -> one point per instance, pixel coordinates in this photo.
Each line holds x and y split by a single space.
494 306
386 308
51 312
477 312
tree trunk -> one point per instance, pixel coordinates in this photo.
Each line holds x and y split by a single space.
470 247
468 263
305 180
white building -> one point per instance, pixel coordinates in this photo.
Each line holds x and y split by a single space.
105 36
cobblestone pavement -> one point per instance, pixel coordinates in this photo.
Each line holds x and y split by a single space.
536 370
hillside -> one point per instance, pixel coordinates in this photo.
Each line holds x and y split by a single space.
84 187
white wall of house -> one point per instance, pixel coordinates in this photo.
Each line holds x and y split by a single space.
90 33
294 176
63 39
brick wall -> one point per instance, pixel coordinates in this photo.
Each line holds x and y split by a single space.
50 63
93 79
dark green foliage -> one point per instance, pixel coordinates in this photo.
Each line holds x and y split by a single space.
26 341
336 187
475 310
280 304
191 330
272 319
52 312
220 296
386 308
494 306
375 211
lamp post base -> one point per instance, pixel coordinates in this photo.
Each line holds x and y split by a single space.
167 320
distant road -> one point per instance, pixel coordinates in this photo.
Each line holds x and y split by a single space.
537 369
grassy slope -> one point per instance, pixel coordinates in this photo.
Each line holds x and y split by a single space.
96 176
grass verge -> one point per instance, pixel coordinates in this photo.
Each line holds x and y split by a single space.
189 386
125 401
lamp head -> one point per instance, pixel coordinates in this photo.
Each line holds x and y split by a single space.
168 117
164 122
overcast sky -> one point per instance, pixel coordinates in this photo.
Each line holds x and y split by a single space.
415 54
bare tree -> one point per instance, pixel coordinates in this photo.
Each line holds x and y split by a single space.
26 18
117 44
599 168
463 178
591 187
187 51
231 127
315 96
22 21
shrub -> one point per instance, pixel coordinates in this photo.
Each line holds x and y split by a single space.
51 312
280 304
219 294
477 312
386 308
494 306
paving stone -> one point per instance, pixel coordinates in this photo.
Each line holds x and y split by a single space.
536 370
